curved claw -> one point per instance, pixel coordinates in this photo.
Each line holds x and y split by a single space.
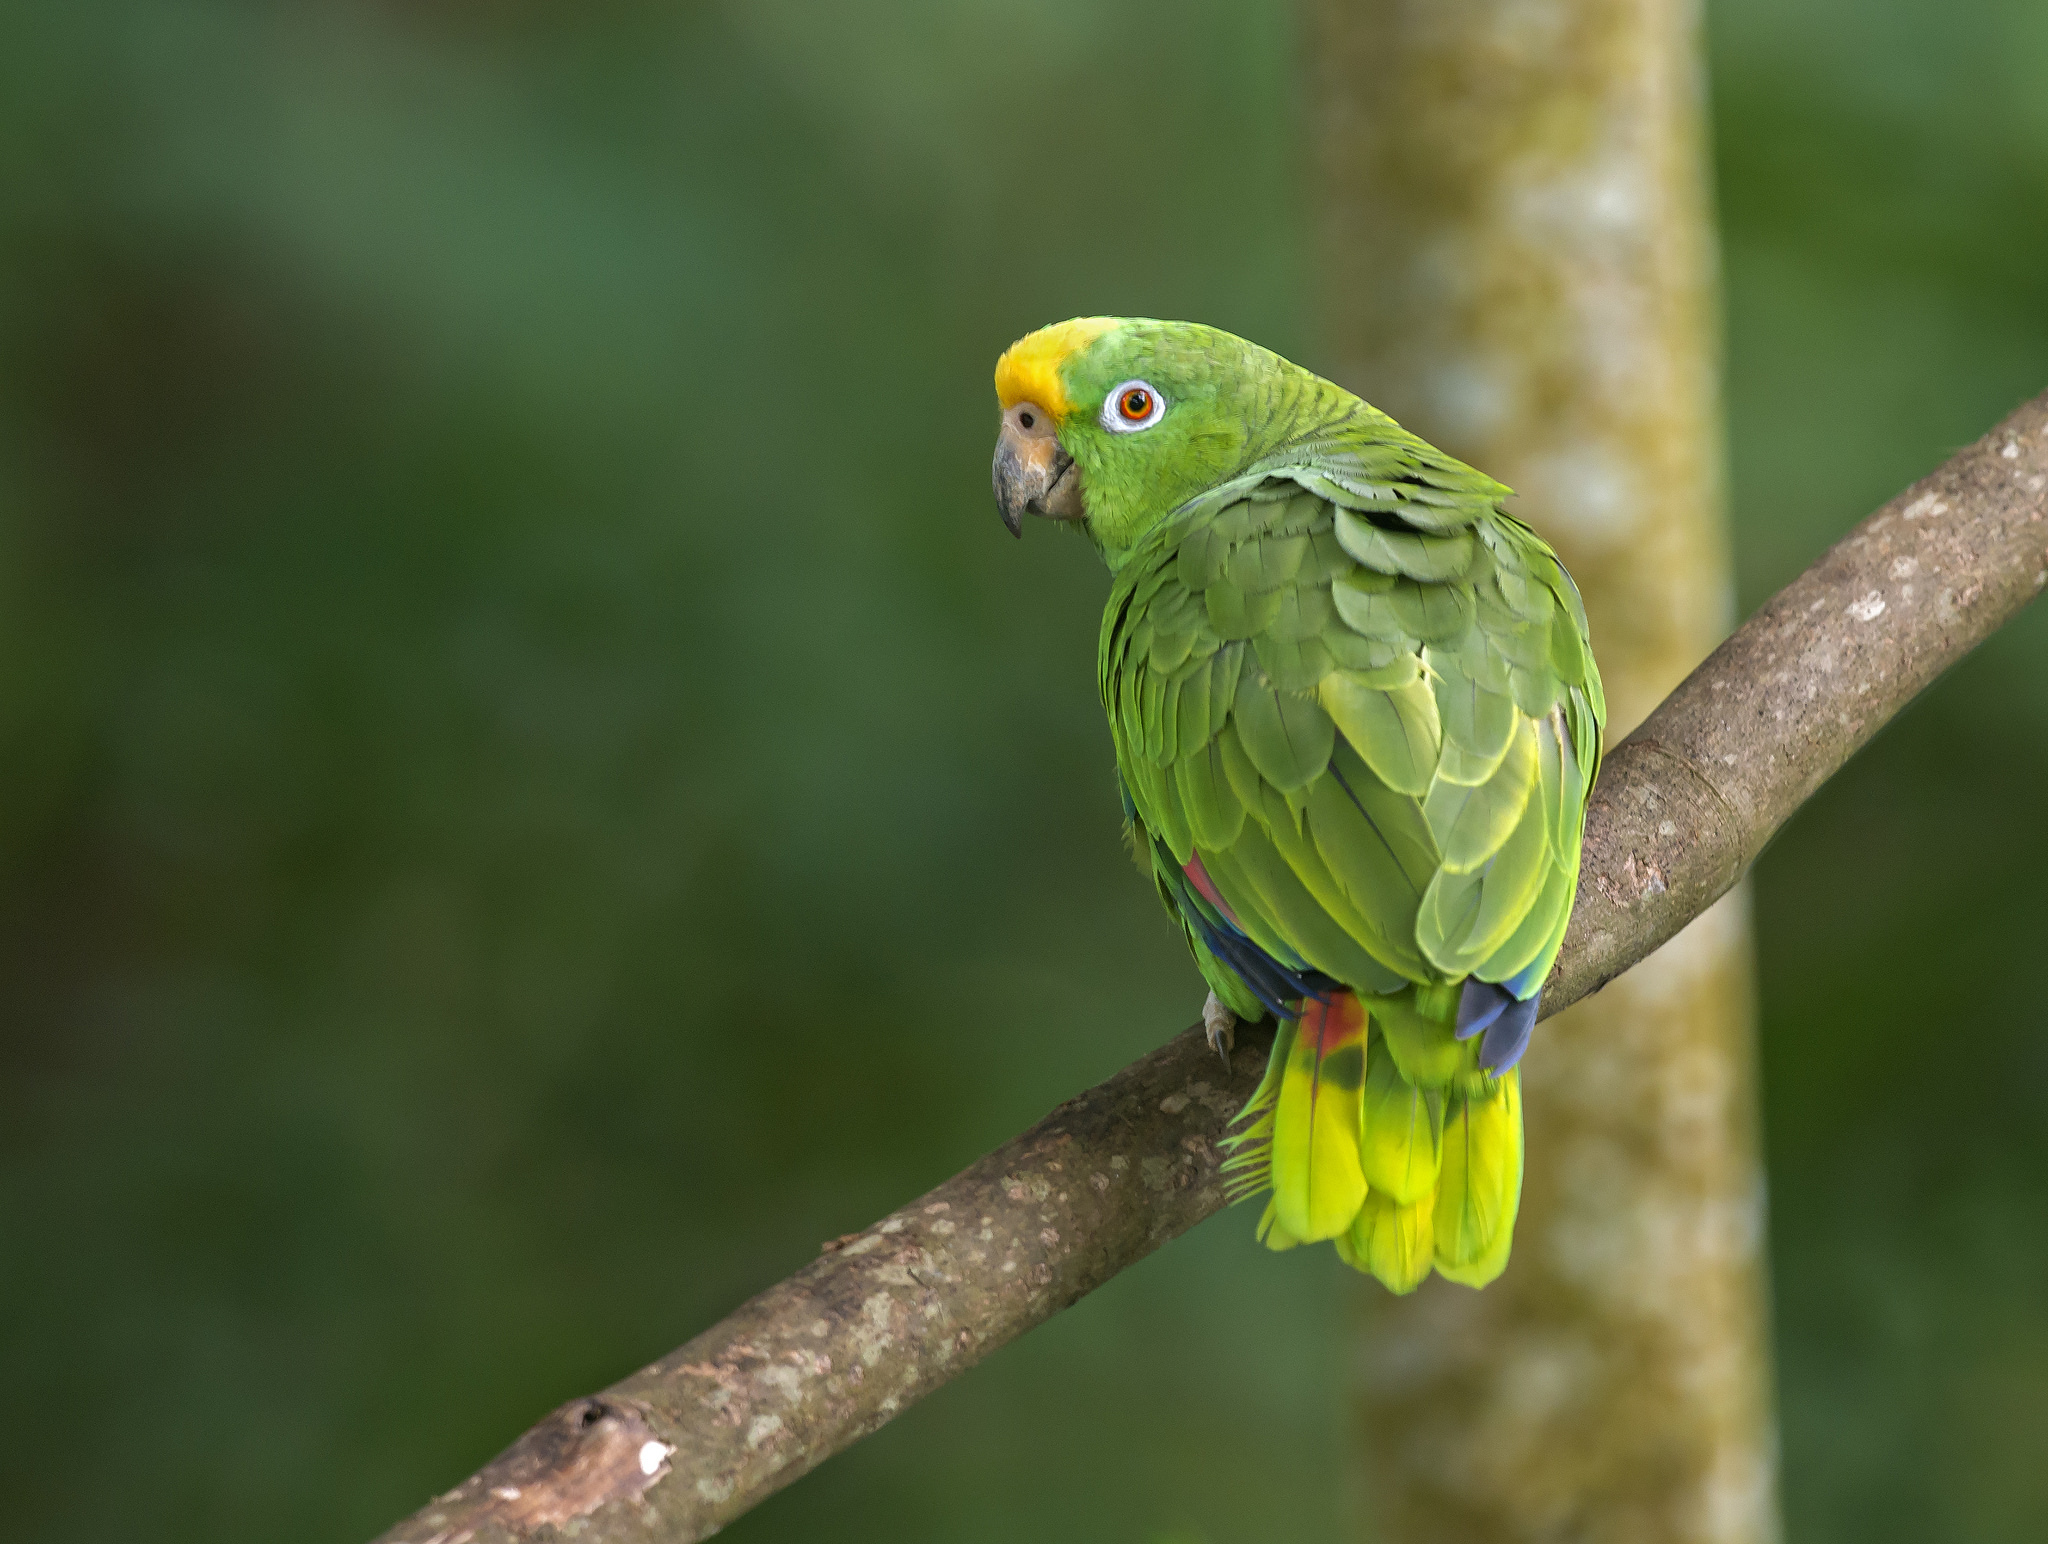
1219 1025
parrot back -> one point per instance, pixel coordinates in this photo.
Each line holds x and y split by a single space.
1356 720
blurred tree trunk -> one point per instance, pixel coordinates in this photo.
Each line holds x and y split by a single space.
1518 261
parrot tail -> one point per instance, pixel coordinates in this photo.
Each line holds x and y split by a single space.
1377 1128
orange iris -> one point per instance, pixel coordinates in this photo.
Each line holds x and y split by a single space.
1135 404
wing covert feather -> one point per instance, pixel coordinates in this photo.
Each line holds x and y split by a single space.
1374 729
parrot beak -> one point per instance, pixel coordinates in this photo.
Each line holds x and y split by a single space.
1032 475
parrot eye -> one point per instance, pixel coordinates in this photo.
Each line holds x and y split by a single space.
1131 407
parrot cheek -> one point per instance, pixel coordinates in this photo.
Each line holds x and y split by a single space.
1032 474
1067 498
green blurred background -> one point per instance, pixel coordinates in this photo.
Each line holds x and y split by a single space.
534 789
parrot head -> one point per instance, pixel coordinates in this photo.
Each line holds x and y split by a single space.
1113 422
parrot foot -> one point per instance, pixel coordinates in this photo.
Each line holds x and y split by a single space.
1219 1024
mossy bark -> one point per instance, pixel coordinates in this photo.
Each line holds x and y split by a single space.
1518 252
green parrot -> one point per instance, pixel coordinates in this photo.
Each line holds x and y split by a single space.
1356 720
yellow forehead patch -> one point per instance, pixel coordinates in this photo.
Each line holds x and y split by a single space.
1029 370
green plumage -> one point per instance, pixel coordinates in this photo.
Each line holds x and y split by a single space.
1358 696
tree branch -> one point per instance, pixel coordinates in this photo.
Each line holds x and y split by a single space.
684 1446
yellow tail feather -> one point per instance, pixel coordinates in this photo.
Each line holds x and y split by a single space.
1404 1131
1479 1189
1393 1242
1270 1233
1318 1183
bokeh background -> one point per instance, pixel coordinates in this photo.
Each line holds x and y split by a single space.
534 789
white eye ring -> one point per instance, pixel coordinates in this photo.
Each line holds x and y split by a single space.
1132 406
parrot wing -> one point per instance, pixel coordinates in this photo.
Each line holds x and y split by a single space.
1356 720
